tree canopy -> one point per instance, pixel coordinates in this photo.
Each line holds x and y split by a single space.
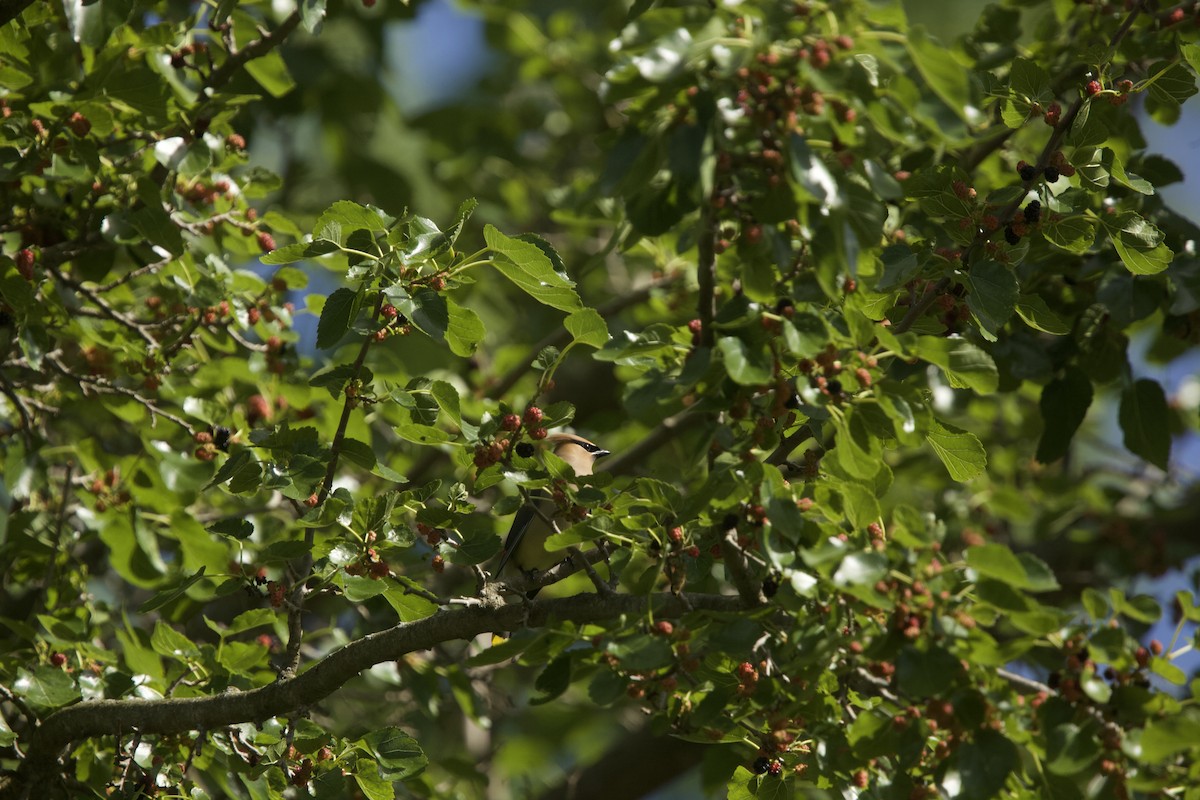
868 320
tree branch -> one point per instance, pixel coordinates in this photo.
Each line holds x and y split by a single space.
107 387
177 715
255 49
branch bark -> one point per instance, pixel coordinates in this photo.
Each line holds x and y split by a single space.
177 715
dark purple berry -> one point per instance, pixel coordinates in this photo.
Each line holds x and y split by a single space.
1028 172
1011 236
1052 174
1033 212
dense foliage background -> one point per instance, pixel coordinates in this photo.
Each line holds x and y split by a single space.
868 319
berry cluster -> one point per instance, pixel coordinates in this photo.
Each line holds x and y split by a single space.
492 452
107 491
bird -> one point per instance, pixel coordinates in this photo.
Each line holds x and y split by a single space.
525 545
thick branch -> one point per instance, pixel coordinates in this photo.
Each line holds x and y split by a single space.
113 717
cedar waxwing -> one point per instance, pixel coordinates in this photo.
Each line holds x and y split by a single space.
526 541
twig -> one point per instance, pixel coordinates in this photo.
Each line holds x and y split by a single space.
560 571
255 49
133 274
104 307
300 571
601 587
1028 685
736 565
246 343
107 387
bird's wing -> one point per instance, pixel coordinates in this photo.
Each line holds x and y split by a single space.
525 515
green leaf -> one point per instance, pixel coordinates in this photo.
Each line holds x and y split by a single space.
1064 404
166 641
860 569
992 295
1071 749
553 680
423 434
1037 315
934 189
1024 571
1144 419
339 312
1138 243
811 173
371 784
342 218
137 87
858 449
962 453
805 335
527 266
744 365
1171 83
1075 234
965 365
249 620
464 329
643 653
271 73
408 606
46 687
586 326
237 527
1143 261
949 79
399 755
299 251
154 223
166 596
234 465
430 312
359 453
1028 80
242 658
1126 179
358 589
983 765
479 540
1163 738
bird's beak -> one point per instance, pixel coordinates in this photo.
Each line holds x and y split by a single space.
602 453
